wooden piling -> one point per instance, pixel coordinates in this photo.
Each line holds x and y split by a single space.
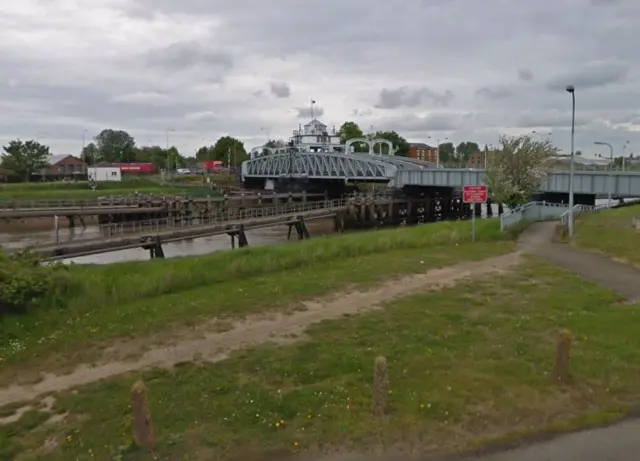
380 386
141 424
561 372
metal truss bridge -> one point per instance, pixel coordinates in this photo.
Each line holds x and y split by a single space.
402 171
330 166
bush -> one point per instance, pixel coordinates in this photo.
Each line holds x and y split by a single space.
25 283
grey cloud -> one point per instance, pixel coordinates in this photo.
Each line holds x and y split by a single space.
444 121
591 75
549 119
182 55
408 97
498 92
305 112
525 74
280 89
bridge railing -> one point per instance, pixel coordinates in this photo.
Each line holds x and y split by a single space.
533 211
134 200
222 217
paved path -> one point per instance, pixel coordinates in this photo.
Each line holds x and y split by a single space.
620 442
615 443
620 278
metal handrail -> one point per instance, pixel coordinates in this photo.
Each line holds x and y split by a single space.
132 200
193 222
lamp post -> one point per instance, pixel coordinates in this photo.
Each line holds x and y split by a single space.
624 148
572 90
598 143
168 154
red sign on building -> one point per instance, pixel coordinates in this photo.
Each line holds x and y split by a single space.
474 194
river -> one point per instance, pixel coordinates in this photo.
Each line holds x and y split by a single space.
200 246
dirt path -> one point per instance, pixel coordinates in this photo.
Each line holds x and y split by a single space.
261 329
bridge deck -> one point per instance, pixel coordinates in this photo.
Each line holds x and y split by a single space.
622 184
169 230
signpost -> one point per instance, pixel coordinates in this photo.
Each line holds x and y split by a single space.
473 195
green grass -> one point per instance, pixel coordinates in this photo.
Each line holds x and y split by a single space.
466 365
80 190
610 232
130 300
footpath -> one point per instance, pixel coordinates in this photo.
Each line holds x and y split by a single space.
619 442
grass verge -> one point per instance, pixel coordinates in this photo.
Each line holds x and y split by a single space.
102 286
468 363
55 339
610 232
80 190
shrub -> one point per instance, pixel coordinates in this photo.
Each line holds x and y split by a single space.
25 283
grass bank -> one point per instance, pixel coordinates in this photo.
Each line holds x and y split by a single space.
466 364
80 190
104 303
610 232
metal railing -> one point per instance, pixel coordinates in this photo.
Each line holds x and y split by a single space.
229 216
135 200
533 211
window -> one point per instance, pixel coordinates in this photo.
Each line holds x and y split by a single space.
114 173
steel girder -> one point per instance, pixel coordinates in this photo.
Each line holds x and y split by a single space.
321 165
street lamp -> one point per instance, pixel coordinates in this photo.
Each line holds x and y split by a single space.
624 148
572 90
534 132
168 154
598 143
438 150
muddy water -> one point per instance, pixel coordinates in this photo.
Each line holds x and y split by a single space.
18 238
258 237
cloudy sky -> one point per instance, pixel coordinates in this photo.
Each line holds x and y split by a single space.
456 69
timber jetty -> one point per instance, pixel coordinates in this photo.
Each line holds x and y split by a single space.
136 208
357 211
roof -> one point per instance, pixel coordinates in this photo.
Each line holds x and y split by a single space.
55 159
421 145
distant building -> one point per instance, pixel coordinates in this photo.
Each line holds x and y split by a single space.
63 167
422 151
105 173
476 159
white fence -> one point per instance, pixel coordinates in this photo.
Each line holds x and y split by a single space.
533 211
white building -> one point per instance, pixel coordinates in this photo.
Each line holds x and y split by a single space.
104 173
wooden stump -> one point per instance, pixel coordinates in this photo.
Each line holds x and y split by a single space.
563 350
561 233
141 423
380 386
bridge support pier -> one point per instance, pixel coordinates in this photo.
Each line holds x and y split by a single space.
301 229
154 246
338 222
242 237
72 221
489 209
500 209
478 210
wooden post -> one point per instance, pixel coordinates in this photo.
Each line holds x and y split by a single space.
563 351
141 421
380 386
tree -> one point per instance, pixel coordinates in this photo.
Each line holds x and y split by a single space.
115 146
25 158
205 153
350 130
90 153
229 148
447 153
516 170
398 142
465 149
